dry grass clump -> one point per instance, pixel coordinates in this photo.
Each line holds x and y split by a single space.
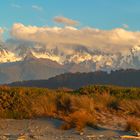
77 111
133 124
82 102
63 103
44 105
79 119
130 107
105 101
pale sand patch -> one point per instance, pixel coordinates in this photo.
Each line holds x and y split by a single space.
48 129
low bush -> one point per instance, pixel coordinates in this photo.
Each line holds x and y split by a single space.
133 124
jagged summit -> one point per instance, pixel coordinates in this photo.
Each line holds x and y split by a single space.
6 55
29 56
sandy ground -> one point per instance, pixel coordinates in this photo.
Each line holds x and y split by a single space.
48 129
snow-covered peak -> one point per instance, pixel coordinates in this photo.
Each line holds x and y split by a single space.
74 54
6 55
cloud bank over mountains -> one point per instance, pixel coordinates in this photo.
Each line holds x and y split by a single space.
117 40
111 49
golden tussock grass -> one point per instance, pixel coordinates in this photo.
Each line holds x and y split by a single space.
79 119
133 124
77 108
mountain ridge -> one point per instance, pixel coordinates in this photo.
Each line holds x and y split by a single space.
127 78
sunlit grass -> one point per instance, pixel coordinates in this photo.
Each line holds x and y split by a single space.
78 108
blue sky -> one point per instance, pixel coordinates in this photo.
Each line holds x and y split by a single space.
102 14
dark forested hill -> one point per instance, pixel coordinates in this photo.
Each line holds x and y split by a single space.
126 78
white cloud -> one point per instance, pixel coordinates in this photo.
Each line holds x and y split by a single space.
66 21
113 41
38 8
125 26
1 33
15 6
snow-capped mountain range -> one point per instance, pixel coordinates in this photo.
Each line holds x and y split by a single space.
98 59
19 62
